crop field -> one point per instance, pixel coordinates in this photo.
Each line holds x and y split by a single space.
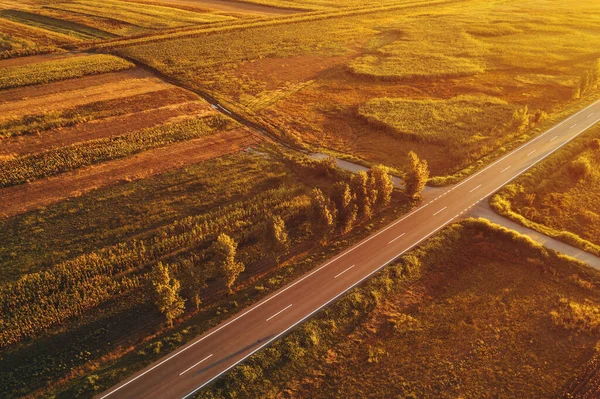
313 79
81 20
104 242
477 312
560 196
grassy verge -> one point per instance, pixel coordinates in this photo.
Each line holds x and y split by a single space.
555 199
436 325
52 71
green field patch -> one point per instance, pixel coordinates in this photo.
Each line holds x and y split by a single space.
52 71
52 162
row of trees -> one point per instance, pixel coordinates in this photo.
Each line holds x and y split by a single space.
169 294
349 203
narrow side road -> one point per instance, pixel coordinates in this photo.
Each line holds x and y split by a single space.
185 371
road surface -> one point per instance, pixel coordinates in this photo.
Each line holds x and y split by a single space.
185 371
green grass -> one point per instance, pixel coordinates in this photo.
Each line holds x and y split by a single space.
52 71
471 313
52 162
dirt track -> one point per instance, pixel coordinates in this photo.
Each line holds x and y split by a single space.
22 198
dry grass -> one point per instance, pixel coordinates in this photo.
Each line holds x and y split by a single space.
560 196
524 54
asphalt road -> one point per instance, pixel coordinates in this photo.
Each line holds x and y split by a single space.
187 370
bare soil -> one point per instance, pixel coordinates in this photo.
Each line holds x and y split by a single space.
19 199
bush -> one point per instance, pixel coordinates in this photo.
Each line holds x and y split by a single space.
580 168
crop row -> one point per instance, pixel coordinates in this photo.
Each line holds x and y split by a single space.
59 160
52 71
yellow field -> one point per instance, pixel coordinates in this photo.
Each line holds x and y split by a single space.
312 78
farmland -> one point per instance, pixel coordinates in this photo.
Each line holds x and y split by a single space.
152 146
314 79
560 196
437 325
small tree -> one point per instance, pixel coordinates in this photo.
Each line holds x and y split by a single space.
359 184
192 281
166 292
324 213
347 210
225 250
382 182
277 235
417 176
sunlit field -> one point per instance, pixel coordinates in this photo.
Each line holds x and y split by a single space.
312 78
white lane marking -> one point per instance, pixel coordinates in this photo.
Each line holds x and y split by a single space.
531 152
344 271
400 236
475 188
280 312
316 310
505 169
590 115
553 138
206 358
191 344
573 126
444 208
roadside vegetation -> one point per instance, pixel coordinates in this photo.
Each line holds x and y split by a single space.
195 245
559 197
477 311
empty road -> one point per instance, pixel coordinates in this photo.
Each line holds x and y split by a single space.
185 371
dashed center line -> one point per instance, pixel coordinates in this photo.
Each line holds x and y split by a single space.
573 126
505 169
206 358
281 311
553 138
590 115
440 210
342 272
531 152
400 236
475 188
